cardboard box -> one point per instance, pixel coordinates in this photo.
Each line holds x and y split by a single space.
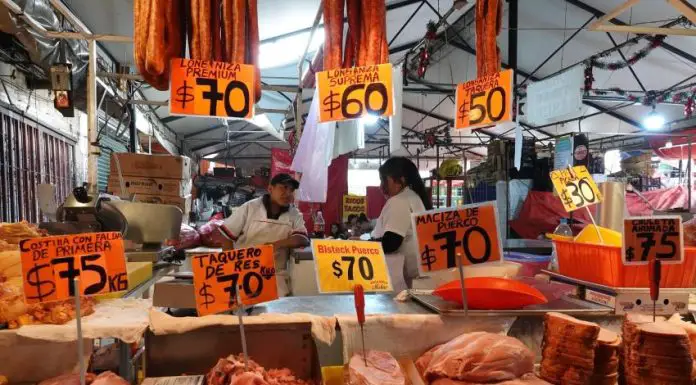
151 166
170 292
196 351
151 186
184 203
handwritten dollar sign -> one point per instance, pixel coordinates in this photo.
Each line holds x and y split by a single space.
427 257
330 104
337 271
44 288
207 297
183 94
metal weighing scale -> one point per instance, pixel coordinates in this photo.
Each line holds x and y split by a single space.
146 225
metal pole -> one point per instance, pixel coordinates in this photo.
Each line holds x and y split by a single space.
132 130
688 180
92 129
437 164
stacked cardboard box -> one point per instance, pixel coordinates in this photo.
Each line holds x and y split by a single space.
162 179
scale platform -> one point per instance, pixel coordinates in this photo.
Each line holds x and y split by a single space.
624 300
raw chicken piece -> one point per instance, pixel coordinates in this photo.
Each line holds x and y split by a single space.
248 378
382 369
68 379
527 379
478 357
230 371
109 378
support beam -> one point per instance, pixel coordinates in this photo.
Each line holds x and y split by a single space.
405 24
623 57
598 13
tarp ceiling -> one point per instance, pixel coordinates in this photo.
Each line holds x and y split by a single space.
543 26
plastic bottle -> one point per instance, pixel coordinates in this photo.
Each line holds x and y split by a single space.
319 225
562 229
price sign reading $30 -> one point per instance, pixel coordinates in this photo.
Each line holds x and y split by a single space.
51 264
575 187
341 265
217 277
350 93
468 231
210 88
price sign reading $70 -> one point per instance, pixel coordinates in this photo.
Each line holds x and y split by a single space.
219 277
51 264
470 232
341 265
350 93
210 88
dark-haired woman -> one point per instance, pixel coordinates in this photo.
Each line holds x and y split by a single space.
402 184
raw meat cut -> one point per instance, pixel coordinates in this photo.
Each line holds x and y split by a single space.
106 378
230 371
381 369
527 379
109 378
478 357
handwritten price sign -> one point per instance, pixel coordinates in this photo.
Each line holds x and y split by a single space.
50 264
484 101
354 204
350 93
343 264
469 231
210 88
217 277
653 238
575 187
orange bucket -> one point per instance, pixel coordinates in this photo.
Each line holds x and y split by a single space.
603 265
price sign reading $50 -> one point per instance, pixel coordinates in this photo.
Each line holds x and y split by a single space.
343 264
51 264
210 88
217 277
350 93
575 187
484 101
468 231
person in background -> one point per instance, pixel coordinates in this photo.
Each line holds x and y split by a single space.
270 219
337 231
364 225
352 225
402 184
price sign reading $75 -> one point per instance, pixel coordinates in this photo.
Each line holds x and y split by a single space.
218 277
210 88
575 187
343 264
350 93
470 232
653 238
51 264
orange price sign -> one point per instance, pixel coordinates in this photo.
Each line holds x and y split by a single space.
211 88
468 231
50 264
653 238
350 93
484 101
218 277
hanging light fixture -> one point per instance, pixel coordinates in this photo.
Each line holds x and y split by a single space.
654 121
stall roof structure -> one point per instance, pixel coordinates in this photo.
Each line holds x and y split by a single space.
551 35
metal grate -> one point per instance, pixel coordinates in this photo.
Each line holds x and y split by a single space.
30 155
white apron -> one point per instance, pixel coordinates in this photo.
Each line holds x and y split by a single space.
263 231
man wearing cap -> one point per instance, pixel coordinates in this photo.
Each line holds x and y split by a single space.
270 220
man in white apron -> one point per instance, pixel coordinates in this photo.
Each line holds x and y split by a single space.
270 220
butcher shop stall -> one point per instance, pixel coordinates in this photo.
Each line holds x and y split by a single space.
358 192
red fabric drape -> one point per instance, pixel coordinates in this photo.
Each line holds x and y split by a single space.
280 162
541 213
375 201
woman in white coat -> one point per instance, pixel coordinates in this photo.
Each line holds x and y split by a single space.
402 184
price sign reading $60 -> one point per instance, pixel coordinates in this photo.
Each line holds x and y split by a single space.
51 264
350 93
575 187
468 231
218 277
343 264
210 88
